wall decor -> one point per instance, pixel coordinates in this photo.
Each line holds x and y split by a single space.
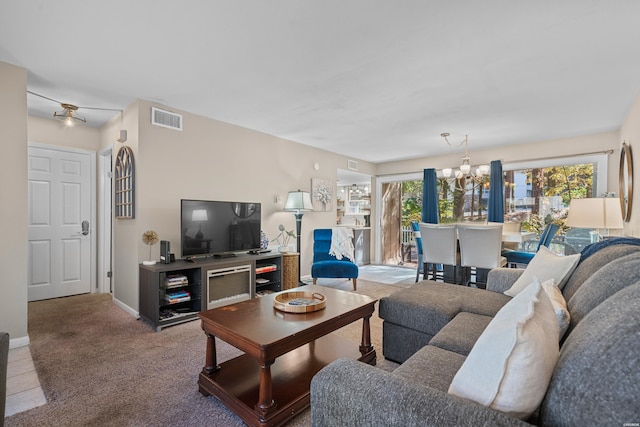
625 181
322 194
125 184
149 238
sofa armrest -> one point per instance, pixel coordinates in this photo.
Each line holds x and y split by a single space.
351 393
501 279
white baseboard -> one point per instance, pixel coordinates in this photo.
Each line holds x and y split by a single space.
126 308
19 342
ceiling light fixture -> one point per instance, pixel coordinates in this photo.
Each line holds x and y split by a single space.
69 115
464 175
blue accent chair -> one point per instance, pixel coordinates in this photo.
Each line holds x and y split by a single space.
328 266
519 257
418 239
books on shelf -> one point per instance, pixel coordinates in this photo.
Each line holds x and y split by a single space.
175 297
167 314
176 280
266 268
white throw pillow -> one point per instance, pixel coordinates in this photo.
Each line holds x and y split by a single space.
510 366
545 265
559 306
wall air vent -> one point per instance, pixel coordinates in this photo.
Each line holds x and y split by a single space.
352 164
166 119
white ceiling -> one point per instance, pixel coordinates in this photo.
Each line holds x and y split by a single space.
371 79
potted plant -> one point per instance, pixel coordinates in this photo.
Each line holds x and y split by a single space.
283 238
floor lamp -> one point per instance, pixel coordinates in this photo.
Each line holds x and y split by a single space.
298 202
595 213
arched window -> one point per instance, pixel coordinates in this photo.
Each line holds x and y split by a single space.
125 184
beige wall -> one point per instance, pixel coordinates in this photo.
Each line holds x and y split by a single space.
630 132
53 132
125 231
13 196
212 160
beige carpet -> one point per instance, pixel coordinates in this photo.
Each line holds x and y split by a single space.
99 366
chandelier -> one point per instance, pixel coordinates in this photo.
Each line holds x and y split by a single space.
464 176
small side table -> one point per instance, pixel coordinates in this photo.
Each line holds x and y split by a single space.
290 274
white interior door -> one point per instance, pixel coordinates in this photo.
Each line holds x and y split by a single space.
60 200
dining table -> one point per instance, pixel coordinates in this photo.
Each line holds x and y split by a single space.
518 236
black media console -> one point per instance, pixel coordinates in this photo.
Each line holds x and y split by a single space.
175 293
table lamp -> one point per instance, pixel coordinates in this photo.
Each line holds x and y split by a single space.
200 216
596 213
298 202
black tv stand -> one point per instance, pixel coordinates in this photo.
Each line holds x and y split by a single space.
225 255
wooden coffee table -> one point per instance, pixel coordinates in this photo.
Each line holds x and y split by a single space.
270 383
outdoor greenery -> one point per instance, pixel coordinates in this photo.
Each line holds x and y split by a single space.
411 202
568 182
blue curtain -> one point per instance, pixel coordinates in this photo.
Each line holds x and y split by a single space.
496 193
430 197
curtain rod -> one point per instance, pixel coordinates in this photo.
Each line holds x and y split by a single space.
607 152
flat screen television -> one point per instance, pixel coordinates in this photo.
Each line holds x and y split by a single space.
218 228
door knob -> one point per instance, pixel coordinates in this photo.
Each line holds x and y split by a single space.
85 227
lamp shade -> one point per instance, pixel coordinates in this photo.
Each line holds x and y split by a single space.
199 215
595 213
298 201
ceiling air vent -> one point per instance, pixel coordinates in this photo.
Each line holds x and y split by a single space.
166 119
352 164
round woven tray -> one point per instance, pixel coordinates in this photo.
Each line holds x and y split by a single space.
299 302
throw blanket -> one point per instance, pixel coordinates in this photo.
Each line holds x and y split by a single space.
595 247
342 243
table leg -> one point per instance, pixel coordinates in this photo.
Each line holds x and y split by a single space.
211 362
265 398
365 345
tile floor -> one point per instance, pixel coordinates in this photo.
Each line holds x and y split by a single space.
23 386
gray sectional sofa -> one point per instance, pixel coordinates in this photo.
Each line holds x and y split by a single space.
431 327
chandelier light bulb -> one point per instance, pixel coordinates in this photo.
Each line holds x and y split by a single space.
69 121
464 176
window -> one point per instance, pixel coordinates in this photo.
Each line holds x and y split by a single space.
538 193
543 191
457 205
584 176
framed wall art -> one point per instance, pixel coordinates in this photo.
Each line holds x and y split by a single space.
322 194
125 184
